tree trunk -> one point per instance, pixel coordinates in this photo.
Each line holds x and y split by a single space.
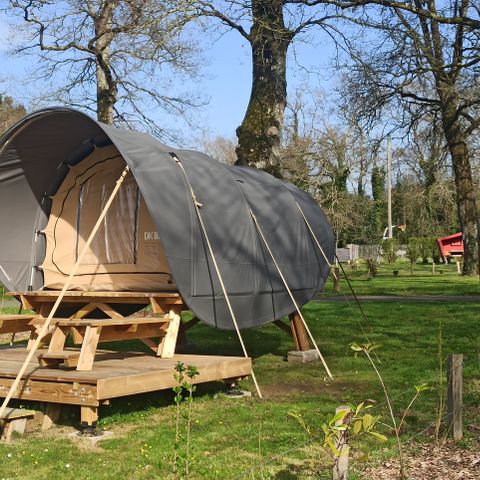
466 204
106 85
378 193
106 97
259 135
465 187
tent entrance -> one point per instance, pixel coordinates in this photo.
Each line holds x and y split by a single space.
126 254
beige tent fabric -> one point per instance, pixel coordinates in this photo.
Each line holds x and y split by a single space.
126 254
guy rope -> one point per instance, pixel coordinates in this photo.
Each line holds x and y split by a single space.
197 206
43 331
291 295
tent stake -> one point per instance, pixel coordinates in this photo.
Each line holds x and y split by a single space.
45 326
217 269
291 295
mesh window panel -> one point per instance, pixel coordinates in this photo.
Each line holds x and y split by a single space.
116 239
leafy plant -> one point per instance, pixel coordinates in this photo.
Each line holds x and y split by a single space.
192 372
184 376
418 390
367 349
372 267
413 251
390 248
347 425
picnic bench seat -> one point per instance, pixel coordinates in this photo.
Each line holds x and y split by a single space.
17 323
158 331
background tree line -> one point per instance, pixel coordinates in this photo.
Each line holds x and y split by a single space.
405 69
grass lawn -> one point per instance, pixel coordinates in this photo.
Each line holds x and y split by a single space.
445 281
421 282
254 439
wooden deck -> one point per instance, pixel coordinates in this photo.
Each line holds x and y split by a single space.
114 374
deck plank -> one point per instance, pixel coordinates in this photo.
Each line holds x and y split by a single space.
114 374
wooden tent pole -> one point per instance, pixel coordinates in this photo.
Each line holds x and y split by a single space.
217 269
45 326
291 295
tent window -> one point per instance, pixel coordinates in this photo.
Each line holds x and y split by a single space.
117 239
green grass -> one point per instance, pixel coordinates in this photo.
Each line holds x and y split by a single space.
422 282
233 438
445 281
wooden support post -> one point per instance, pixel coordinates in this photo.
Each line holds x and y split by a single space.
191 323
336 279
166 349
89 347
340 466
57 343
51 415
151 344
299 333
283 326
458 261
34 335
455 396
184 327
89 416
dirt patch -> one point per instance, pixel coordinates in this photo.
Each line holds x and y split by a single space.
429 462
287 388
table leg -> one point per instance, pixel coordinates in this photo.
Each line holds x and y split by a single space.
89 347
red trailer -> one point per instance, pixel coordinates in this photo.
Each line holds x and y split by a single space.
451 246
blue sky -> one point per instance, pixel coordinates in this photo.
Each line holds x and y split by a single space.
226 77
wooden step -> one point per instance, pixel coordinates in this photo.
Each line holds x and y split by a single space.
53 360
14 420
14 413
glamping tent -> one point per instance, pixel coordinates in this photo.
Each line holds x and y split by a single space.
58 167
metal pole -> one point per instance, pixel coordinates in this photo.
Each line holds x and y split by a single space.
389 188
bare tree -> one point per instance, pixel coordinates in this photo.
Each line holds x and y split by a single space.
10 112
322 157
270 27
425 59
117 58
221 148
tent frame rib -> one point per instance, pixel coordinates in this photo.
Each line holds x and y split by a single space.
197 206
291 294
43 331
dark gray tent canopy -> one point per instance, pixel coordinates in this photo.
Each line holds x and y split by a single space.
38 152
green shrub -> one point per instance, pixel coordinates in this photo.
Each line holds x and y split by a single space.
372 266
413 251
389 248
